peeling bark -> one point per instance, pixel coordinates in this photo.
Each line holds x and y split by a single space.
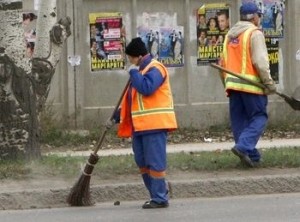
24 83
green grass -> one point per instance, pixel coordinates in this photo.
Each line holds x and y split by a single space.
109 166
14 169
225 160
59 137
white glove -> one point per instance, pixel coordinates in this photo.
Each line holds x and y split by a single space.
270 87
133 67
110 123
268 82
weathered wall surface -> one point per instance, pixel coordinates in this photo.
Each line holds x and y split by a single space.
85 99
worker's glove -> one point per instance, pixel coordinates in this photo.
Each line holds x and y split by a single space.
133 68
114 120
110 123
270 88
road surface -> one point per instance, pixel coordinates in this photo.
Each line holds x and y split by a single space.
258 208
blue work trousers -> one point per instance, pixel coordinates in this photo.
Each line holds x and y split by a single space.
150 154
248 118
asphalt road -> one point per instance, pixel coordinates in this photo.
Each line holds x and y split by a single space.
258 208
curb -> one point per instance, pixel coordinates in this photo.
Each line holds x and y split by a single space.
204 188
187 147
267 184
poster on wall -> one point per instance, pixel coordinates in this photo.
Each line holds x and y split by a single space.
164 44
151 38
29 25
272 25
272 22
171 46
107 41
273 52
213 23
163 37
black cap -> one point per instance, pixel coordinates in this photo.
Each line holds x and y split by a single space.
136 48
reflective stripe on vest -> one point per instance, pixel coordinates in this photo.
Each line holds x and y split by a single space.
142 109
148 112
238 59
157 110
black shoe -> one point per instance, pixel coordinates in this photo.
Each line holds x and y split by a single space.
152 205
243 157
256 163
169 189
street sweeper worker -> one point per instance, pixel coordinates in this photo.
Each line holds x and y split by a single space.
245 52
147 115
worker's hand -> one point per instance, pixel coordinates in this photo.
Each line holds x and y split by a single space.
110 123
270 88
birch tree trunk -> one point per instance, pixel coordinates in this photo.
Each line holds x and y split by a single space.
25 82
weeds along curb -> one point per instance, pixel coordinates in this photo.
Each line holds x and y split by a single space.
180 189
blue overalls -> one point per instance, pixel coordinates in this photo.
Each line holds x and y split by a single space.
248 120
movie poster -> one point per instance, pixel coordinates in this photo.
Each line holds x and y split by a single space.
272 22
272 25
166 44
29 25
107 41
151 38
171 46
213 23
273 52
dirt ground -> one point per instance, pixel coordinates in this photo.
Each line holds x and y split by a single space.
47 182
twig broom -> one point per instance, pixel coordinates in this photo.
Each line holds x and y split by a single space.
80 193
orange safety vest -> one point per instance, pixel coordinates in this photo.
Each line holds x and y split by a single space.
237 58
148 112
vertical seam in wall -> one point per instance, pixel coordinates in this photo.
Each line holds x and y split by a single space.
74 67
187 53
134 18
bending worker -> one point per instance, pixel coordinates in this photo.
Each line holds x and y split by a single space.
147 114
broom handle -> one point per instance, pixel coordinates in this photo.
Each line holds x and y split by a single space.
290 100
238 76
111 118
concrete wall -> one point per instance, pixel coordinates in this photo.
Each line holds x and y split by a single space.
198 93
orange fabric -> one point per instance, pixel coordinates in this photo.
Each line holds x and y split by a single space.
237 60
125 126
157 174
144 170
235 54
153 173
148 112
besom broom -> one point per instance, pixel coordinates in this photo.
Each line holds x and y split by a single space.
80 192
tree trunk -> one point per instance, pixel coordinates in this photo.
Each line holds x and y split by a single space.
24 81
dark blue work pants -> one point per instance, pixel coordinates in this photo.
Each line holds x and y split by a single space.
150 154
248 117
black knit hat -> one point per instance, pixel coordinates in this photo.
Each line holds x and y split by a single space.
136 48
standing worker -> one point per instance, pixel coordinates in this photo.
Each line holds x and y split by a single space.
245 52
146 115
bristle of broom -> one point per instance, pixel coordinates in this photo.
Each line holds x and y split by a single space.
80 193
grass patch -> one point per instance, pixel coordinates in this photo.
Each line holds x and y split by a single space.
225 160
59 137
109 166
14 169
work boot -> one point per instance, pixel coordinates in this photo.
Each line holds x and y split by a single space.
256 163
243 157
152 205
